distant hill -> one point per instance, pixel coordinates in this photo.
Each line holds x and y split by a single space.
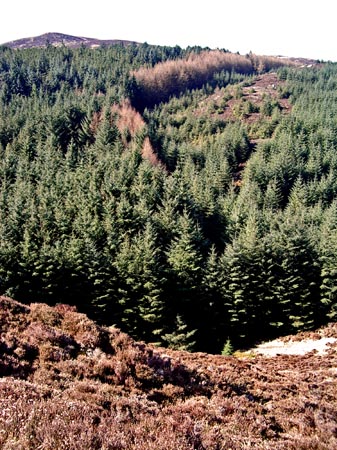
59 39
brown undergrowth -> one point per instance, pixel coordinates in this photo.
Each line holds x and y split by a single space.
159 83
67 383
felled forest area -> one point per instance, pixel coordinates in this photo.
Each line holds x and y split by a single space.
201 217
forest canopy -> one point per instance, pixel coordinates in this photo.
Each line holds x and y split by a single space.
128 190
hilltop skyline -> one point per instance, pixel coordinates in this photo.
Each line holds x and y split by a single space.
288 30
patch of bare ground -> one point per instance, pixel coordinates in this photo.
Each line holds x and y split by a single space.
267 84
319 341
245 102
253 104
67 383
279 347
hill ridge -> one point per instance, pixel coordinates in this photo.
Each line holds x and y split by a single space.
58 39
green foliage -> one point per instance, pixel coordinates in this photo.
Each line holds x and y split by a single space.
228 349
216 235
140 289
180 338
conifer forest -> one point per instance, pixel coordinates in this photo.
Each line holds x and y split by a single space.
164 191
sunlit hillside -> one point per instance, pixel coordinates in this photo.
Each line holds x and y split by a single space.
187 196
67 383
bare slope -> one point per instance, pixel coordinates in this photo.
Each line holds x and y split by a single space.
59 39
68 384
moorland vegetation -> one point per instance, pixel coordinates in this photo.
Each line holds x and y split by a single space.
68 384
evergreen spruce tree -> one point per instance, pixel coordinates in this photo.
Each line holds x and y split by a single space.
328 261
215 320
180 338
297 291
184 264
140 285
242 284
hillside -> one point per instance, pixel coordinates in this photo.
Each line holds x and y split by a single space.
186 196
153 201
60 39
67 383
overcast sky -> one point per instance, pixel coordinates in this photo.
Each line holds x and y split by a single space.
287 27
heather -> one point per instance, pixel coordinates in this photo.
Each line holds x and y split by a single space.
69 383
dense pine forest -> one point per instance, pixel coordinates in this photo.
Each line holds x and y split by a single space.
147 187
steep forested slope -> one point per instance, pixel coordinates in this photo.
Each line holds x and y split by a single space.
187 225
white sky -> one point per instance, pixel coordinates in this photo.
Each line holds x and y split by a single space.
304 28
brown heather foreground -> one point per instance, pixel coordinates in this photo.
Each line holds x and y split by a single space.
67 383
